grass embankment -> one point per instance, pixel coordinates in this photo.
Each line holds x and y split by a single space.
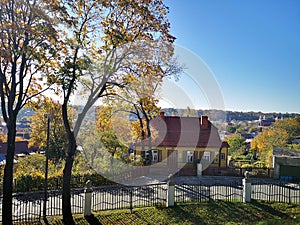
217 212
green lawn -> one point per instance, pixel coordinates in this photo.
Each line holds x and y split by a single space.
217 212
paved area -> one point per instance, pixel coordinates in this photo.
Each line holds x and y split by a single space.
207 180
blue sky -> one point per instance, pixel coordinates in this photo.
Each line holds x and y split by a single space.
252 48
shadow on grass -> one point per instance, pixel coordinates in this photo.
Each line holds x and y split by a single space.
152 215
267 208
92 220
215 212
181 214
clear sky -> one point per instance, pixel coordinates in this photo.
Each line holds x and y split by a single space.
251 46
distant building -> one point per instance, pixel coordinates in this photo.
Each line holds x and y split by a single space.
265 122
249 137
286 163
21 147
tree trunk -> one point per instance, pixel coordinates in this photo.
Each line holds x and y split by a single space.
8 174
143 141
220 152
142 132
66 194
67 173
149 140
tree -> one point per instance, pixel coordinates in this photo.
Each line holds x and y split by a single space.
264 142
140 94
290 125
27 48
99 64
114 122
57 144
280 134
231 129
237 145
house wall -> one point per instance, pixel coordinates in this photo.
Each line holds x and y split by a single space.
198 154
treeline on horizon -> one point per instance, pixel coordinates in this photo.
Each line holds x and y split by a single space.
213 114
221 115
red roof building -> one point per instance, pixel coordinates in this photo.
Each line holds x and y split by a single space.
182 142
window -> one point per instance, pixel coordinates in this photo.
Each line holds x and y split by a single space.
189 156
206 156
147 155
154 156
222 156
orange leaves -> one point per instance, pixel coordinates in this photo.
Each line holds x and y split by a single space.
265 141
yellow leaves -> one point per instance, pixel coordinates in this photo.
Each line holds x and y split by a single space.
265 141
136 130
103 120
129 78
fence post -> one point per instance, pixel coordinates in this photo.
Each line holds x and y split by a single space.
290 194
170 191
88 199
130 199
246 188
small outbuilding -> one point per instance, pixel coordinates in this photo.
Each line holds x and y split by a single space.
286 163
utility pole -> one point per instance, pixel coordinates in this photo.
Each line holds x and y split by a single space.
48 117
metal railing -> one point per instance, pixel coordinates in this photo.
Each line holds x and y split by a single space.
276 192
28 206
118 197
203 193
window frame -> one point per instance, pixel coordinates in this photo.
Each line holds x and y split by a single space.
190 156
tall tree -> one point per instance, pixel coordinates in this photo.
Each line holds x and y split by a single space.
100 41
27 43
79 16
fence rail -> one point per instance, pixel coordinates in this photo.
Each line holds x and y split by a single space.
204 193
277 192
28 206
117 197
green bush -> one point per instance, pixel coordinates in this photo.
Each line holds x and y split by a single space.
28 182
260 164
34 182
246 166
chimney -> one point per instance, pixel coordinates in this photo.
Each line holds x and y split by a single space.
162 115
204 122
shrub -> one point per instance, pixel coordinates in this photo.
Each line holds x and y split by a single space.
246 166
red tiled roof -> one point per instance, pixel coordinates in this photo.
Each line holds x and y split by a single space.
185 132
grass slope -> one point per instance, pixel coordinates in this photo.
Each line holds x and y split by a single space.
217 212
